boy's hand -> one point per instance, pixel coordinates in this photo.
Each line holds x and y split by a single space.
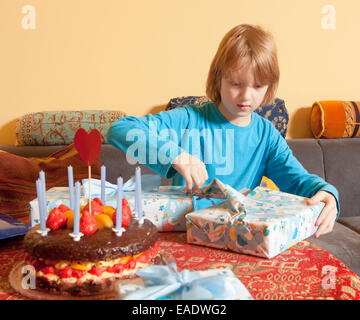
192 169
328 214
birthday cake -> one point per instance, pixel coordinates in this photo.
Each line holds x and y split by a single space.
92 264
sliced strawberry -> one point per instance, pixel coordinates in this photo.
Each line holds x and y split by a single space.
64 273
115 268
97 271
112 269
78 273
48 269
88 224
126 214
56 219
144 257
132 264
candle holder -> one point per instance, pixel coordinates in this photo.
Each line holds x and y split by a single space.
119 232
141 220
76 236
43 232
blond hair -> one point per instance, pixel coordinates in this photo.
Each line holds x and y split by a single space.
240 44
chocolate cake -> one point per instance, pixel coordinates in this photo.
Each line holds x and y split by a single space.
92 264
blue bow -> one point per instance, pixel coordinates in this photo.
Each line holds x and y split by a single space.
149 182
163 281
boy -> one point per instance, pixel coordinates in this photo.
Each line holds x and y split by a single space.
225 138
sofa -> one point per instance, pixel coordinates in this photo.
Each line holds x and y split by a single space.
335 160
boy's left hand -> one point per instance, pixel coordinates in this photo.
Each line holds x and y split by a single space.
328 214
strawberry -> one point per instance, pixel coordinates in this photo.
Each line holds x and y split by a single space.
132 264
144 257
97 271
98 201
88 224
48 269
96 207
56 219
64 273
63 208
126 214
115 268
78 273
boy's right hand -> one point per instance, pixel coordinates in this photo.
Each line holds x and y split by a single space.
192 169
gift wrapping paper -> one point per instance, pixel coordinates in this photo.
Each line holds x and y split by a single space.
211 284
166 207
274 221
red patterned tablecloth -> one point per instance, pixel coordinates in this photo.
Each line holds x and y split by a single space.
305 271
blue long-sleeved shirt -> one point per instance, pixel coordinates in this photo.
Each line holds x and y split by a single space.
238 156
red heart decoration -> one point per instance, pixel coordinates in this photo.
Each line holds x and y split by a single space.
88 145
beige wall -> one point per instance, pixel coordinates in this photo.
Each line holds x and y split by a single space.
136 55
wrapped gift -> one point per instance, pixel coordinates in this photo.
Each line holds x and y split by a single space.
264 223
54 197
166 283
10 227
165 206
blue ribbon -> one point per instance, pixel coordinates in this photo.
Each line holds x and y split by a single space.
163 281
149 182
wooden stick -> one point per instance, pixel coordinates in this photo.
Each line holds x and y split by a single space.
89 167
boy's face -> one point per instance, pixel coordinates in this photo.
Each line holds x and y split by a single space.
240 95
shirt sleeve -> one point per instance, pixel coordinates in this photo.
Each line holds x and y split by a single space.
288 173
153 140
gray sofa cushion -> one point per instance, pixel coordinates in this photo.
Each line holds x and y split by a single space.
309 153
351 222
343 243
342 169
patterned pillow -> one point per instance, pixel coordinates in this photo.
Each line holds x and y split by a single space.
276 112
59 127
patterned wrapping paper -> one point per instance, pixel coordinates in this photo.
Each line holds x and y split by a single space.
274 221
166 208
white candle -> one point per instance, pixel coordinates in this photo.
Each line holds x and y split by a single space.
42 208
103 179
77 209
138 199
76 234
41 205
71 186
119 197
43 189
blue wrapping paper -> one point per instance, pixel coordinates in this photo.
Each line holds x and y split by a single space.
10 227
167 283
